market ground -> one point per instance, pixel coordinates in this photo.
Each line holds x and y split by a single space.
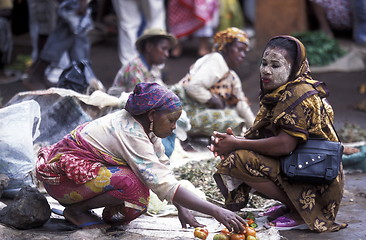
345 95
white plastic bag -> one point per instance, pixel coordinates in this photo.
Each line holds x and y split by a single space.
19 127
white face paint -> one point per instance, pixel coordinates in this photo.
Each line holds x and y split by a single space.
274 69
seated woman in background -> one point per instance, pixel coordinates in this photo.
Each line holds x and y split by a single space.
253 161
113 161
153 47
211 91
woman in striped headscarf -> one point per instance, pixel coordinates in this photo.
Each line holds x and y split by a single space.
211 91
114 161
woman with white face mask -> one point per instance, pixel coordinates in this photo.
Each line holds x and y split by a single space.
253 161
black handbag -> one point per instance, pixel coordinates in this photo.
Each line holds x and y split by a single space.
315 161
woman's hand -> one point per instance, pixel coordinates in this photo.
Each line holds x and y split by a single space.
231 220
222 144
186 218
186 198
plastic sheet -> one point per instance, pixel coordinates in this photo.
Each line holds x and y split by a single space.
19 128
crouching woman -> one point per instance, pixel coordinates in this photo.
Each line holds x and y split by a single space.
253 161
113 162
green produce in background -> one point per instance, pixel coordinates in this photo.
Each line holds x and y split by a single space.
321 49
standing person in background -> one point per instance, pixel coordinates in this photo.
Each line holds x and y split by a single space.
70 36
211 91
193 18
254 162
134 16
42 21
113 162
6 36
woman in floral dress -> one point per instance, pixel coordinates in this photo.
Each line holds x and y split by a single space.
293 109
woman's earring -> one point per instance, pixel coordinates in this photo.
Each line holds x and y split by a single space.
151 126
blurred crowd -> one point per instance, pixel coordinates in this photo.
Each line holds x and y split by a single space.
54 47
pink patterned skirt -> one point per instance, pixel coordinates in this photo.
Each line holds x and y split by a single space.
73 171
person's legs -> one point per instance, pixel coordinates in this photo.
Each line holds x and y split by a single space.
115 188
33 29
271 190
80 50
121 214
129 21
59 41
78 213
154 13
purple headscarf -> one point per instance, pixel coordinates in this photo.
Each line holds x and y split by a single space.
147 96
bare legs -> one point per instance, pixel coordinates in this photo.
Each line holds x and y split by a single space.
79 214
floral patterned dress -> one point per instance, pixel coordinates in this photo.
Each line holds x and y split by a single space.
317 204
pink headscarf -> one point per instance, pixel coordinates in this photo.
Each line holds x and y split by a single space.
147 96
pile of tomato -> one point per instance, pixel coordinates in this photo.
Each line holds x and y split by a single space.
249 232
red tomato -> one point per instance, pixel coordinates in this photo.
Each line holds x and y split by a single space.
201 233
225 231
250 231
237 236
221 236
250 221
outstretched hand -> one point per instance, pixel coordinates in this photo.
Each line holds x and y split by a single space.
186 218
231 220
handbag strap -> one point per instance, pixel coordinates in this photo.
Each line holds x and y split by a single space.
326 112
306 95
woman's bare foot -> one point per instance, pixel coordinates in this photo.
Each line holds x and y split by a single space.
85 220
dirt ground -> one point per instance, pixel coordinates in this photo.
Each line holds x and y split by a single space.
344 97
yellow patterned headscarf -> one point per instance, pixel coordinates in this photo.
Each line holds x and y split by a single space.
229 35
